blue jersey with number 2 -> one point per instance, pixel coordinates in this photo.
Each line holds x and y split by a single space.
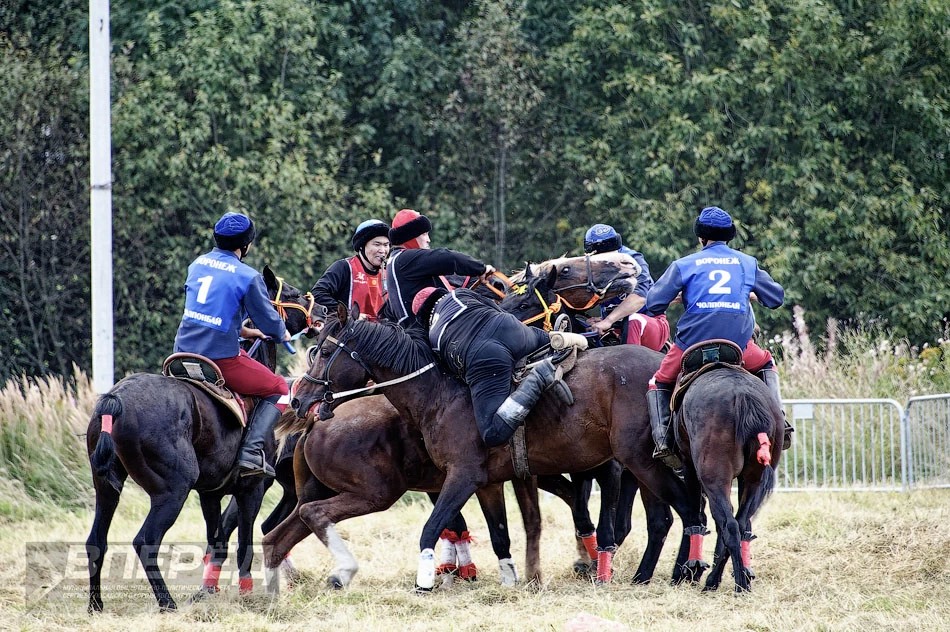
715 282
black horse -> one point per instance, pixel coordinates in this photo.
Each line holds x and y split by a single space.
537 301
171 437
729 427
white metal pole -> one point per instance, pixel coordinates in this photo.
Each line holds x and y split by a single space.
100 212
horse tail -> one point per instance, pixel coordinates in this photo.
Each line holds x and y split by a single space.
754 417
289 424
102 459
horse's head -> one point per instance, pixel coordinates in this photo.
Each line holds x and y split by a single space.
333 365
534 301
582 282
299 311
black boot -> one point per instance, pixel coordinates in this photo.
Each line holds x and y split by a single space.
770 377
261 425
658 403
514 409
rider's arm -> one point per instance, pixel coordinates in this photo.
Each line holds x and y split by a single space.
664 291
630 305
261 310
334 286
767 291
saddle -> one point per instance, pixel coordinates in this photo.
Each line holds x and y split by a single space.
204 374
701 358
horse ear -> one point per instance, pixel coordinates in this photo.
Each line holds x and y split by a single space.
552 276
341 312
527 271
355 311
270 279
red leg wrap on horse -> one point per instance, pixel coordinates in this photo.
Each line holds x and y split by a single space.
745 549
449 535
605 571
246 585
210 577
468 572
590 543
465 537
696 547
107 424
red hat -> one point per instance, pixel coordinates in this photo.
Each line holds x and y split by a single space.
425 300
407 225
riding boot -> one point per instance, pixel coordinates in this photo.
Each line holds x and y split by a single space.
770 377
658 404
261 425
515 409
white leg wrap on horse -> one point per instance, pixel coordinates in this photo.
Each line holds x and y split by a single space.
290 572
463 552
425 576
447 554
346 565
509 574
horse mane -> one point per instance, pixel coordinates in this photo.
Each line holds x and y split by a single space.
391 346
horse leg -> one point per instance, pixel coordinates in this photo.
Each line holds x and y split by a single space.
279 541
217 549
608 478
584 530
659 519
526 492
107 499
455 531
249 501
628 493
321 516
458 487
491 498
728 532
567 491
164 510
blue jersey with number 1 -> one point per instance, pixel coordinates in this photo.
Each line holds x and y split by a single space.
715 282
219 291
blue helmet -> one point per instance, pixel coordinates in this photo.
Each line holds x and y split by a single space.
370 229
602 238
233 231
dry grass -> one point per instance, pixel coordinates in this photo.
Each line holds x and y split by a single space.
824 562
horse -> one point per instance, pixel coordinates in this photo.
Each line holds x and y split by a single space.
609 418
171 437
398 463
729 427
535 301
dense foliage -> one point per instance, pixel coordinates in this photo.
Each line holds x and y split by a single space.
822 126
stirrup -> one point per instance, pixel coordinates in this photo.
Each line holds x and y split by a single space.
669 459
787 436
251 468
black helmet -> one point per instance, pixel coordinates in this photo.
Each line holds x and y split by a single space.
370 229
602 238
233 231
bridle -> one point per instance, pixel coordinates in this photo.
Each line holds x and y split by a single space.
282 306
329 396
548 310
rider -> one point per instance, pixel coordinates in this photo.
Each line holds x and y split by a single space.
219 291
627 310
359 278
413 266
480 344
715 283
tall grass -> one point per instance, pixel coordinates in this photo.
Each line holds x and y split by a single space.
42 453
851 363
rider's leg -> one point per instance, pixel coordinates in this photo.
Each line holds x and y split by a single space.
759 361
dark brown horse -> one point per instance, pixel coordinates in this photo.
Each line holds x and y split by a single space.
372 458
171 438
730 427
608 419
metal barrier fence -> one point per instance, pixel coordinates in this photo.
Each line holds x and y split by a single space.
928 441
845 444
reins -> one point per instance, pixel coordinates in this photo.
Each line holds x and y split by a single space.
283 306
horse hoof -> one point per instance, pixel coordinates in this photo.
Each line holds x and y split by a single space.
335 583
712 588
168 606
584 569
419 590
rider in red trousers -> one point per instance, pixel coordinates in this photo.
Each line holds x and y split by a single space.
715 284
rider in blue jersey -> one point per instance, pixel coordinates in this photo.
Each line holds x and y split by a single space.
715 284
220 292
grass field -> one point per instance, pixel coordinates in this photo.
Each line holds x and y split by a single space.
824 562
